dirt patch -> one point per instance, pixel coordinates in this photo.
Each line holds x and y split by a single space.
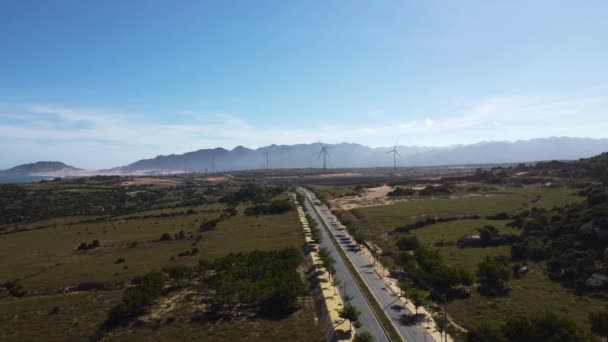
371 197
347 174
215 179
163 307
151 181
377 196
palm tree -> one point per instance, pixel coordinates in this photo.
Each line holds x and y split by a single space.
350 313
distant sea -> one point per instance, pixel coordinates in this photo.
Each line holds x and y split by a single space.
22 179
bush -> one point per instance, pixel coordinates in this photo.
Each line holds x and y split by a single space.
17 291
268 281
208 225
543 326
91 285
435 190
165 237
364 336
85 247
401 192
134 299
408 243
493 274
599 322
499 216
274 208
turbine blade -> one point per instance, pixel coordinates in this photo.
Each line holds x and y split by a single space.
398 153
388 152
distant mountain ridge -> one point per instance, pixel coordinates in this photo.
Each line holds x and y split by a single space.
343 155
350 155
41 168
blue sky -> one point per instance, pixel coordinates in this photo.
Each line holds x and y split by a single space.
104 83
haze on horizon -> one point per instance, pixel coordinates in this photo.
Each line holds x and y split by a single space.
102 84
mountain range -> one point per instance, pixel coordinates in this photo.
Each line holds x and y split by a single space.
343 155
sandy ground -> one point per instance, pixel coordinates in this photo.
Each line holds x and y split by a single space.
215 179
371 197
374 197
150 181
347 174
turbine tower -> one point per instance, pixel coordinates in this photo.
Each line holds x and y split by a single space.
213 164
324 153
267 153
395 154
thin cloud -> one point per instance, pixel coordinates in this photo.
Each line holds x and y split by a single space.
100 138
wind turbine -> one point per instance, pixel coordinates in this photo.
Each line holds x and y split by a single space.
267 153
324 153
395 154
213 164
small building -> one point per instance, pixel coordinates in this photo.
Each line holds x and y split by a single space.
597 281
469 240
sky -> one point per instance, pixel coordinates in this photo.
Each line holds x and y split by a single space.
98 84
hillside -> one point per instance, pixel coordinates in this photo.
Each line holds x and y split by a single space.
41 168
348 155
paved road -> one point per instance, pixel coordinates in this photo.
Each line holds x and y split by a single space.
389 302
348 287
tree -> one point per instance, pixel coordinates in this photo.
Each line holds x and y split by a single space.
403 286
466 277
599 323
417 296
487 233
335 281
442 323
350 313
327 260
363 337
408 243
493 273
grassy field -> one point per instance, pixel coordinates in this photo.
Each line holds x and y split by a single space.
47 258
29 318
247 233
384 218
43 256
532 292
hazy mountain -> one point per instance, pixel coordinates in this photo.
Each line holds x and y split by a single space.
41 168
347 155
